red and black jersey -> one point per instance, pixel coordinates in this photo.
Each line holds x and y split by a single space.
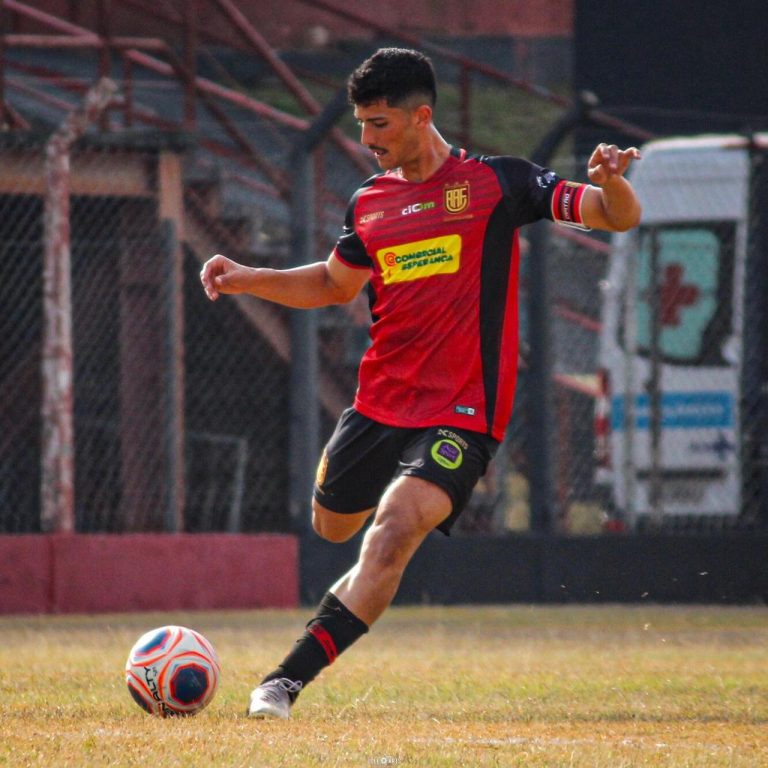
444 260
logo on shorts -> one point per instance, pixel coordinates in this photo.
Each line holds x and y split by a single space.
322 468
448 454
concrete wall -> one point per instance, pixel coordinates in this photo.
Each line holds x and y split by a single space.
731 568
142 572
97 573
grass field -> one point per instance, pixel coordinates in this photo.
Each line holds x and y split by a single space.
608 686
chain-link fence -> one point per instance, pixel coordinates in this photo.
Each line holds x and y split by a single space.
658 352
128 352
650 340
181 408
657 360
21 237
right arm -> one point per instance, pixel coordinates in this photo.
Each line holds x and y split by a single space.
313 285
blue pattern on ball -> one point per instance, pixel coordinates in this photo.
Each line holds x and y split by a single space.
189 683
139 699
157 641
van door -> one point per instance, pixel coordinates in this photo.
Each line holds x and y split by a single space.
674 413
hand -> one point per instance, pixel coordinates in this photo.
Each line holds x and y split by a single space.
608 161
222 275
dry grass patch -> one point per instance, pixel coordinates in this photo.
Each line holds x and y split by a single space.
604 686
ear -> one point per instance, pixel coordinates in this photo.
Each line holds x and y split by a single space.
422 116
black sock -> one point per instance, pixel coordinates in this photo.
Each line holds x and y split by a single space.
332 630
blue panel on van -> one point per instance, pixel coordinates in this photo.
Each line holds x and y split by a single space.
679 410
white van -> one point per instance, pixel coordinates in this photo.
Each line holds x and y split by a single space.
667 419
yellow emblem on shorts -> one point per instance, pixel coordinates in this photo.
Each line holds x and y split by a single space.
447 453
322 468
456 197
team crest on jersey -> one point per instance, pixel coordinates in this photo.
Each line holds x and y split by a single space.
456 197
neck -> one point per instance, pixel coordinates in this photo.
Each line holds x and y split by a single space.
429 159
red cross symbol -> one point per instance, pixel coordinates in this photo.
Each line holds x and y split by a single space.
675 294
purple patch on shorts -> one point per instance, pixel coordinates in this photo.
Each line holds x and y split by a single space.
448 451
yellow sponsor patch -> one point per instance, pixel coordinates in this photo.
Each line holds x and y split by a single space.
322 468
424 258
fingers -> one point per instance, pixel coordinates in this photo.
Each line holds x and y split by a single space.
610 156
608 160
212 269
626 156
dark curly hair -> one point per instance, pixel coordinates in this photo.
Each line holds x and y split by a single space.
394 75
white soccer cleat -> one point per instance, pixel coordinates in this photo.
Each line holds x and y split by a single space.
272 699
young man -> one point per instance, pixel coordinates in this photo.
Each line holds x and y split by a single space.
435 236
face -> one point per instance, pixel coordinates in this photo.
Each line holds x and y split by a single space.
391 133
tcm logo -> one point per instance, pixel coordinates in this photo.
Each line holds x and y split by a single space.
424 258
418 207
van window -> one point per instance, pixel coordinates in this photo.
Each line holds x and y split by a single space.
695 282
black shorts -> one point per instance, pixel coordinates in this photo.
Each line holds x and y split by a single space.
363 457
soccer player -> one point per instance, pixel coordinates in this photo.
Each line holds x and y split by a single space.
435 236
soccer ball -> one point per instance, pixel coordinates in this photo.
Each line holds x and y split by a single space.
172 671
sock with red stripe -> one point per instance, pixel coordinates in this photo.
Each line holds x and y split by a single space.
332 630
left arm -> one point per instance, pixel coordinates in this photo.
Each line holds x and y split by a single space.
610 203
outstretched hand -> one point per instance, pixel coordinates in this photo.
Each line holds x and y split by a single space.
608 161
222 275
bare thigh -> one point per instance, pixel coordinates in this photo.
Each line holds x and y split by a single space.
336 526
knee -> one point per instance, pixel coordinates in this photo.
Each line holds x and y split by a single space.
334 527
389 545
406 515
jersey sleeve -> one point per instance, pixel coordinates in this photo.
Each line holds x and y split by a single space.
349 247
534 193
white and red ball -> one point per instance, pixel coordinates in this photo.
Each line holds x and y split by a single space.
172 671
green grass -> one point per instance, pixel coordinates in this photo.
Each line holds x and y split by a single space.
607 686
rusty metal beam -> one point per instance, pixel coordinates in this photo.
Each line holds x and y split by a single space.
600 117
204 85
122 174
171 214
82 41
289 79
214 89
47 19
56 411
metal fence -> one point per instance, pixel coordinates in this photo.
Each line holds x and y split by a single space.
189 415
128 353
665 330
181 409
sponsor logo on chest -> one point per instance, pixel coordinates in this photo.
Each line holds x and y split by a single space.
428 205
369 217
420 259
